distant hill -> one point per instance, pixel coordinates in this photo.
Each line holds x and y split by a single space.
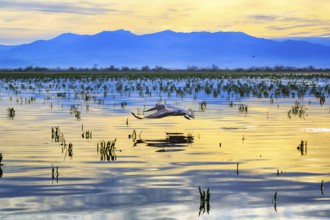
315 40
5 47
167 48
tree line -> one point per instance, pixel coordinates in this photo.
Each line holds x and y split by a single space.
213 68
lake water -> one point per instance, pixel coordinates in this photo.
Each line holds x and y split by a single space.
258 163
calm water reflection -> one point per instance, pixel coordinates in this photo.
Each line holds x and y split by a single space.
243 157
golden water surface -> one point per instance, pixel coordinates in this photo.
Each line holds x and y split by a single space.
244 158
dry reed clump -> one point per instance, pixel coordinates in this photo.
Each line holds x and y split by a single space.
107 150
11 112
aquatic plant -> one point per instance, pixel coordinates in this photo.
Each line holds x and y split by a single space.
280 172
190 138
123 104
243 108
57 136
302 148
107 150
204 201
133 136
70 149
74 110
87 134
95 87
231 104
298 109
322 187
55 173
203 106
274 201
11 112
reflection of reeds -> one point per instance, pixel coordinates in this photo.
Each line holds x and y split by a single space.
275 201
204 201
322 187
55 173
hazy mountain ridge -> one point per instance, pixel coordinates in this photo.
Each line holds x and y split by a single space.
325 41
167 48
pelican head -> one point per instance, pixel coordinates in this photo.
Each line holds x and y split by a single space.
188 114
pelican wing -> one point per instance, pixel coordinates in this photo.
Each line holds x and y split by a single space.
162 113
158 107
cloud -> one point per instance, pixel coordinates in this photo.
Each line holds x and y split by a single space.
172 10
5 29
302 33
263 18
57 7
290 23
281 28
314 21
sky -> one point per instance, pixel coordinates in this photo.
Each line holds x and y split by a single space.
24 21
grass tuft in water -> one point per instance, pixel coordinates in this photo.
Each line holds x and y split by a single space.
204 201
11 112
107 150
302 148
298 109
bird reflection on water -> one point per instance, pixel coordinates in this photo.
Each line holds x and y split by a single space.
174 141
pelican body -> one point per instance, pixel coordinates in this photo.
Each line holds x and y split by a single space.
165 111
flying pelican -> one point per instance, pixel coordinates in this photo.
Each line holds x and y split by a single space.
165 111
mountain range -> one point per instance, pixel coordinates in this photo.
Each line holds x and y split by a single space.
316 40
168 49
